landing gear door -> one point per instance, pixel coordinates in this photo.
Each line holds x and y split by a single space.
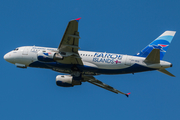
128 60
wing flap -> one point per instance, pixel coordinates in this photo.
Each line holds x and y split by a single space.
73 46
75 36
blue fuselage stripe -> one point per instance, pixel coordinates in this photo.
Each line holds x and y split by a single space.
66 68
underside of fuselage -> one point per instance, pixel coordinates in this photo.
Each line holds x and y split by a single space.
88 70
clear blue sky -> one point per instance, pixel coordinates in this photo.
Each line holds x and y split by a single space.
118 26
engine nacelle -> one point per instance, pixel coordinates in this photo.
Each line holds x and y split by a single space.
66 81
49 56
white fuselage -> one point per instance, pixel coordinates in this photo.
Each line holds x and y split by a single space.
93 62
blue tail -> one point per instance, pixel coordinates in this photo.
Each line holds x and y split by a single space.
162 43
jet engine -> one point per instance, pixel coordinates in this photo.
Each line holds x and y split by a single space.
66 81
49 56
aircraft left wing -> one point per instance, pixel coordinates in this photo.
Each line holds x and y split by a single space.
69 44
96 82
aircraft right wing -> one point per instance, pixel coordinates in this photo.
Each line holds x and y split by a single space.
96 82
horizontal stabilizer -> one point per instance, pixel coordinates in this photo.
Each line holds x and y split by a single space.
153 57
166 72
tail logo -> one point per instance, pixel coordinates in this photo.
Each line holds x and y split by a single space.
159 46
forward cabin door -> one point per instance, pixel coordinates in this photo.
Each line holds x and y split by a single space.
25 51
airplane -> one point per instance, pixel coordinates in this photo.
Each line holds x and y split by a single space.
82 66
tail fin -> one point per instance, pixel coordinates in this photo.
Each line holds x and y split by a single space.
162 43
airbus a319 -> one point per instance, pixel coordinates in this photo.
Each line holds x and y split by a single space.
82 66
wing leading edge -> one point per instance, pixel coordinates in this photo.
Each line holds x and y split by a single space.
96 82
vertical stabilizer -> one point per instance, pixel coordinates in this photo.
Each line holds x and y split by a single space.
162 43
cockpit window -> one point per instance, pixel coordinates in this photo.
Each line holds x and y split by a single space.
16 49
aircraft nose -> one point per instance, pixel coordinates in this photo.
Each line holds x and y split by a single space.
7 57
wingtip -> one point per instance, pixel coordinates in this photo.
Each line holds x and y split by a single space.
78 19
127 94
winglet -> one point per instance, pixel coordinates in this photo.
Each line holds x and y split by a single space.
127 94
78 19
